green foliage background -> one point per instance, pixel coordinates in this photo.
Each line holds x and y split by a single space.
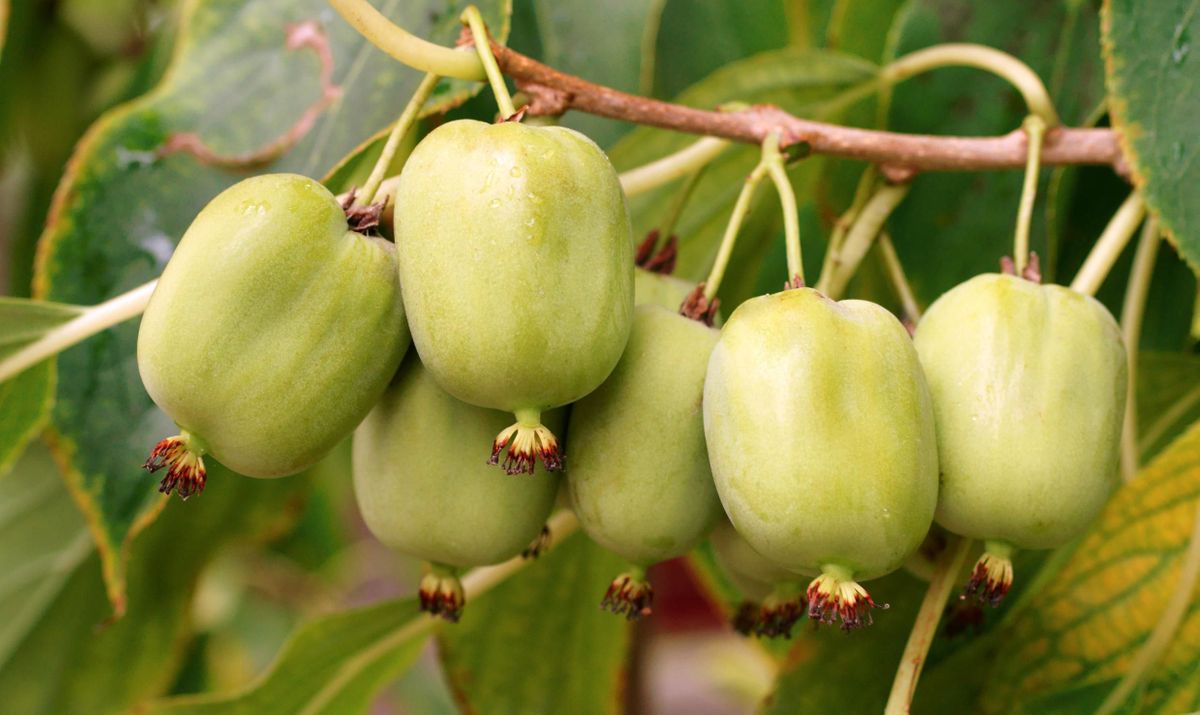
115 599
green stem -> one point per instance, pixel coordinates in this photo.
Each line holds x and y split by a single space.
1001 64
1110 244
1166 628
924 629
667 227
92 321
1132 312
1168 419
403 124
895 271
740 208
472 19
405 46
1035 132
862 234
791 215
837 236
671 167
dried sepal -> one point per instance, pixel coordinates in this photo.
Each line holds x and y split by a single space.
629 595
654 259
745 618
779 614
835 595
538 546
523 445
184 461
992 576
698 307
441 594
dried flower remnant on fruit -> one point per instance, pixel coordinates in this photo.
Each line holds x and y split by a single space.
1031 273
526 444
793 283
441 594
745 618
362 219
834 595
661 260
183 459
697 307
780 612
539 545
629 595
992 576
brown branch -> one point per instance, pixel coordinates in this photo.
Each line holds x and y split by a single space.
900 155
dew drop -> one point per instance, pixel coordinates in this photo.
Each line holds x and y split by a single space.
494 203
534 198
515 171
531 222
1182 45
127 158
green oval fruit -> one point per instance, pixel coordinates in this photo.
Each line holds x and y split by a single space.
423 492
270 335
820 434
1028 385
774 599
660 289
639 479
516 263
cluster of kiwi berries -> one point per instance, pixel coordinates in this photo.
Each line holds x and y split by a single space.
812 438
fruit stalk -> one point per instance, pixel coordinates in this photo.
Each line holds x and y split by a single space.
1110 244
672 166
1132 311
924 629
1035 130
858 241
472 19
411 111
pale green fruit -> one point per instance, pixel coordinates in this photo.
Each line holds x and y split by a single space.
424 487
820 435
639 479
660 289
272 332
774 596
1028 385
516 263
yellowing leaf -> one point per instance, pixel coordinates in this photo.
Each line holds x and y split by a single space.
1069 648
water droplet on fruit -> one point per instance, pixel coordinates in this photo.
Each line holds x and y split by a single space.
254 208
531 222
534 198
515 171
494 203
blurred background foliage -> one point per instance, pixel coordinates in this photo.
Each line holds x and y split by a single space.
206 595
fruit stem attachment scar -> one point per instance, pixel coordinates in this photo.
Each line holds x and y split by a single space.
441 592
993 574
629 595
835 595
1110 244
472 19
411 111
183 458
1035 131
527 440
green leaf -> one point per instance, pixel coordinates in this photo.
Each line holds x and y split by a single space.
1067 650
25 399
804 82
569 43
953 225
77 659
333 664
1154 98
1168 399
122 206
832 671
539 643
43 538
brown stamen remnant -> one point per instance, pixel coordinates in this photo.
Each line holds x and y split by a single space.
184 464
992 576
780 612
303 35
697 307
441 594
362 219
1032 272
835 595
629 595
540 543
526 444
661 260
745 618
